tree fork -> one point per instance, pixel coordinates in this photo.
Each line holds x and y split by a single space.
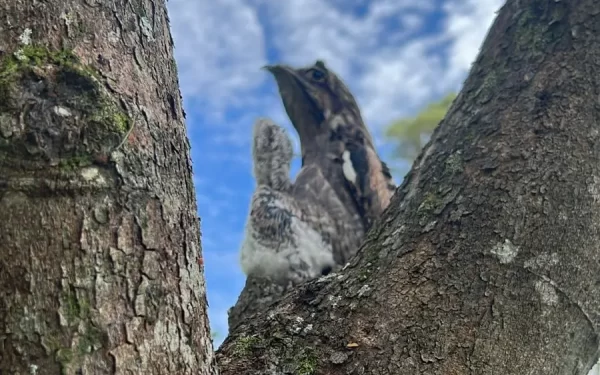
486 260
99 235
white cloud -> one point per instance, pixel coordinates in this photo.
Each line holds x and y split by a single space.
219 47
391 73
402 78
311 29
467 24
397 80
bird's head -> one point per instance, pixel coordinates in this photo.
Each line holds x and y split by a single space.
316 101
272 154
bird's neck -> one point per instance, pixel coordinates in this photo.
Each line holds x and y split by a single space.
338 128
313 152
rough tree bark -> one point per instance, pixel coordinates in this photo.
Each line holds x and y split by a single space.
99 236
486 261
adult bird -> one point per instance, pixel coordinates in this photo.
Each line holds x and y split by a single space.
334 137
296 231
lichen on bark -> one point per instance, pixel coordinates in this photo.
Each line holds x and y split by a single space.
55 111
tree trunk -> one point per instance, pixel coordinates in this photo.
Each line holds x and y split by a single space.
100 257
486 261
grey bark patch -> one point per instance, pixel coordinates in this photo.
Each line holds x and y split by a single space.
547 293
505 252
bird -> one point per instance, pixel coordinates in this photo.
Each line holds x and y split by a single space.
334 137
342 187
295 231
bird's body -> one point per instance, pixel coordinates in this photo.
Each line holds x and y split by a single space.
338 223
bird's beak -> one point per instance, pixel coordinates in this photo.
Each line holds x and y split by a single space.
295 93
270 68
284 75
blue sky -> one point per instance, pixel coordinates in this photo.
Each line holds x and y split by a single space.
395 55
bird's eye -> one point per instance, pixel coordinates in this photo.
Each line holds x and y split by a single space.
317 75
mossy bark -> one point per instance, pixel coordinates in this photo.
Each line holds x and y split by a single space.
487 260
99 236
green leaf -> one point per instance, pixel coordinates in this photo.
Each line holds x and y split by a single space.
411 133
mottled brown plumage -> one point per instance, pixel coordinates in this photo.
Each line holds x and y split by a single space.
334 137
327 211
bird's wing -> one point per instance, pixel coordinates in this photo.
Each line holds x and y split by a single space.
324 211
368 178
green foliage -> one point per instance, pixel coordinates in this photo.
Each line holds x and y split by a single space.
411 133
